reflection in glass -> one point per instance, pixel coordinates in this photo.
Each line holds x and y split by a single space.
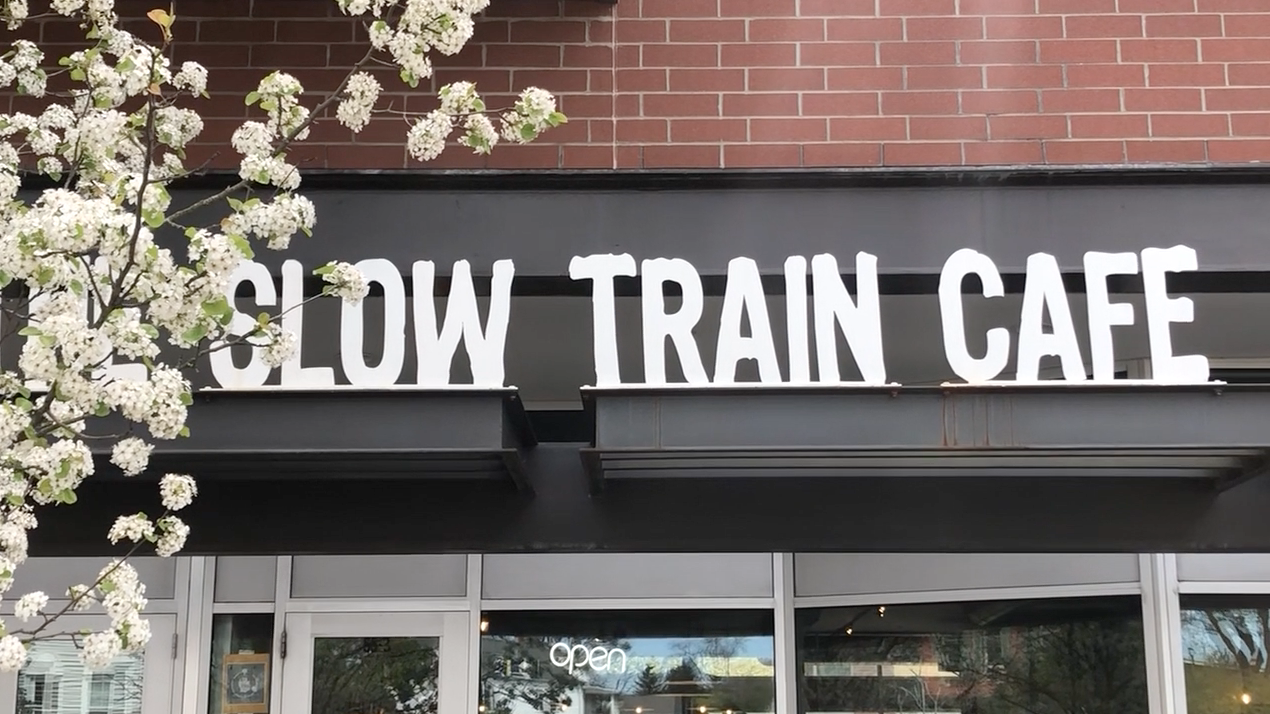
375 675
1224 650
239 678
55 681
642 662
1066 656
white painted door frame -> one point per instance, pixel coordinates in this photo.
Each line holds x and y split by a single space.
302 628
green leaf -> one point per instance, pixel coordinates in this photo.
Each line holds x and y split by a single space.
184 432
235 203
78 75
64 62
306 231
194 334
243 246
187 399
325 269
30 331
102 410
191 232
150 330
5 278
68 497
262 319
217 307
14 499
154 219
77 287
557 118
527 132
48 340
478 104
24 404
44 275
252 98
160 17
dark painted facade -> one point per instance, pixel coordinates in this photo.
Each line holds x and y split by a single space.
546 465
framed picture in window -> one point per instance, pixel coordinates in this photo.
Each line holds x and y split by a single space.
245 682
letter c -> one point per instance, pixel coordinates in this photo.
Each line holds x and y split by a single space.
973 370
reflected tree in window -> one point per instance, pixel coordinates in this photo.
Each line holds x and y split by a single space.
650 681
1069 668
1021 657
516 672
1225 651
379 675
672 662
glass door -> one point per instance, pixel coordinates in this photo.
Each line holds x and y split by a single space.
55 681
373 663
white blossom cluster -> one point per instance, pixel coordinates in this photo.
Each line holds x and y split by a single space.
344 281
274 222
359 100
21 65
103 278
408 30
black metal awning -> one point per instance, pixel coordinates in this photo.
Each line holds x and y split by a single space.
1214 432
346 433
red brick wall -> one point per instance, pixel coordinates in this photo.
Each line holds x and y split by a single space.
798 83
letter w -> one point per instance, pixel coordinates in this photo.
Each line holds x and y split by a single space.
462 319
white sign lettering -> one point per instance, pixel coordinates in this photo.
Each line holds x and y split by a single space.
598 659
1046 327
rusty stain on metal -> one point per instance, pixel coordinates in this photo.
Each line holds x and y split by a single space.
945 417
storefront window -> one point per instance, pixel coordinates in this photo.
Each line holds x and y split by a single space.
55 680
241 647
637 662
1224 652
1014 656
356 675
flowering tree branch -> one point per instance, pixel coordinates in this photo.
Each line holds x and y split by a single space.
105 269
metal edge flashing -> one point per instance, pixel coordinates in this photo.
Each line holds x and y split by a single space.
948 431
349 434
713 179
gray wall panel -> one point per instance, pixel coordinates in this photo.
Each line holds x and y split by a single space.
1246 567
626 575
909 229
321 576
818 574
246 578
54 575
